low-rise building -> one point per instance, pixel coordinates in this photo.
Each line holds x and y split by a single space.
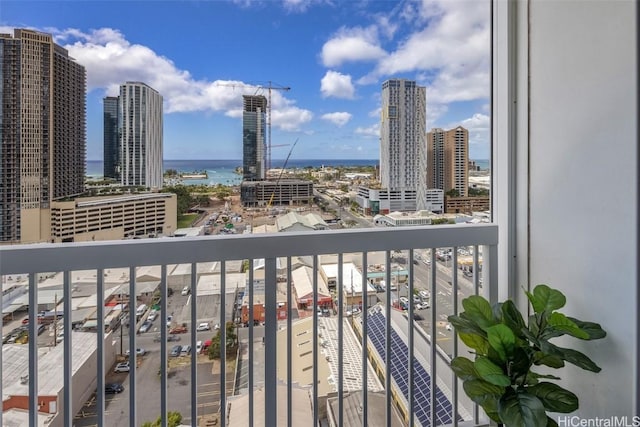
467 204
112 217
276 193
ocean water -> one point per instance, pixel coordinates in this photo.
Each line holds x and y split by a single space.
223 171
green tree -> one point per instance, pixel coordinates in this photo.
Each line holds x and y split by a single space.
478 192
453 193
170 173
184 201
174 419
231 338
344 188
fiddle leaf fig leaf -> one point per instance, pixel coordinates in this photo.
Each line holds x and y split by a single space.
560 322
554 398
522 409
479 310
462 324
594 330
475 342
512 317
547 299
480 390
491 372
464 368
502 340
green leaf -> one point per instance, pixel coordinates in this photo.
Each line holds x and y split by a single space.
491 372
559 322
594 330
464 368
550 360
479 310
579 359
547 299
555 398
464 324
522 410
479 390
572 356
475 342
512 318
502 340
520 362
530 336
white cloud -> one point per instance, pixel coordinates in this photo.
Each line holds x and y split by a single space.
337 85
110 60
477 123
450 50
371 131
375 113
338 118
353 44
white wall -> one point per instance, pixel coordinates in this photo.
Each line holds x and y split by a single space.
583 191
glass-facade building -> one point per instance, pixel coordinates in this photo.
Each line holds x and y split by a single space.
254 137
111 138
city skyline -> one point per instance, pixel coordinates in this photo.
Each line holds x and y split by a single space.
334 58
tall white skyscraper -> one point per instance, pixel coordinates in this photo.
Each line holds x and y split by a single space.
403 159
140 110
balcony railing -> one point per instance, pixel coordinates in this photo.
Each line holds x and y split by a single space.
397 378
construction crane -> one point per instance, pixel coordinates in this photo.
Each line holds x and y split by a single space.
273 193
269 88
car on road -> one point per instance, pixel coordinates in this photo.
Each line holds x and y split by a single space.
175 351
139 352
158 338
122 367
169 321
152 315
145 326
185 291
203 327
113 388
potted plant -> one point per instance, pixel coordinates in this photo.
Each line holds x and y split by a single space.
501 378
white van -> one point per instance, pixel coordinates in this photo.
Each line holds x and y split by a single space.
141 309
198 347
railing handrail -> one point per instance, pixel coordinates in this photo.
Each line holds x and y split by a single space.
36 258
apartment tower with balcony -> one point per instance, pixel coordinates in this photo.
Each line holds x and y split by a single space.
254 137
448 160
403 164
141 135
111 138
43 133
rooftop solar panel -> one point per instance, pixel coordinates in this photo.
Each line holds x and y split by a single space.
400 373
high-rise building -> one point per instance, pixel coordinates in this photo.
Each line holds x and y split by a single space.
140 130
254 137
448 160
42 132
402 138
111 138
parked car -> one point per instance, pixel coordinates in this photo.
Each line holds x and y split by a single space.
113 388
139 352
152 315
122 367
175 351
198 347
145 326
169 321
185 291
203 327
178 330
186 350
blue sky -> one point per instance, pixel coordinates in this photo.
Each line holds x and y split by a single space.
334 55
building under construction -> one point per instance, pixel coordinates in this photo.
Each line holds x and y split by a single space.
276 193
